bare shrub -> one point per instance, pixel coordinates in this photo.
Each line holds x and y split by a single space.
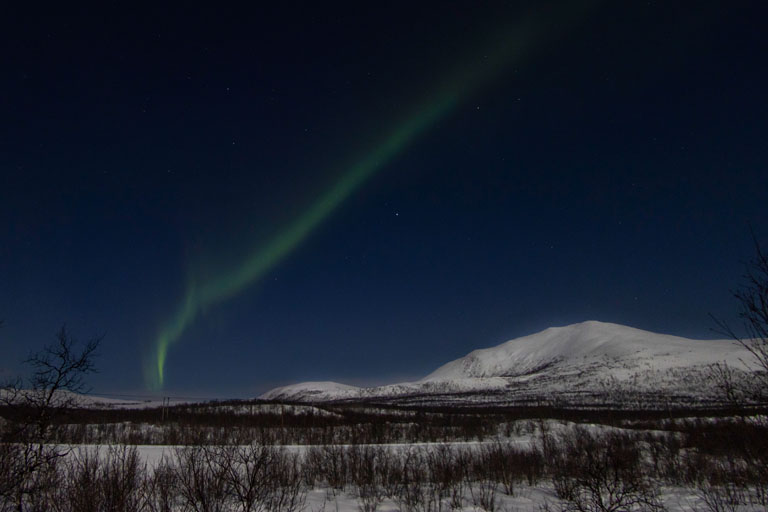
10 473
500 466
121 479
448 474
594 472
288 493
311 467
247 470
721 498
211 478
27 471
727 483
329 464
159 488
201 479
509 465
389 469
727 460
665 456
96 480
365 467
415 492
483 494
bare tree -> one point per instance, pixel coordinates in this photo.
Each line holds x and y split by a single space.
57 378
27 454
752 297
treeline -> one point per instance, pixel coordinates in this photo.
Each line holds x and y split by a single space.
587 468
331 424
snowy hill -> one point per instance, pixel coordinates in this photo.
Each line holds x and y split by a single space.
585 363
583 345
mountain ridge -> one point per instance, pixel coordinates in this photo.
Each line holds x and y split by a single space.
588 362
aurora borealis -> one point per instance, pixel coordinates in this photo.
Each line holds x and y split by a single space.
240 198
257 264
511 48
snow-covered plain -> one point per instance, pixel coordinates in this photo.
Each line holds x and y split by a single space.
525 498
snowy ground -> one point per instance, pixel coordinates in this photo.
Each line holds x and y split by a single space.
525 498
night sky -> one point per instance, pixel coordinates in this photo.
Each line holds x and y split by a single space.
240 199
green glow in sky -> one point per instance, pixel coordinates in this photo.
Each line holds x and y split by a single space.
510 49
259 262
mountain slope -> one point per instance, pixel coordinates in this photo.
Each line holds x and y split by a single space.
585 363
581 345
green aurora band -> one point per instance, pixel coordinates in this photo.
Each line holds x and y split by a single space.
509 50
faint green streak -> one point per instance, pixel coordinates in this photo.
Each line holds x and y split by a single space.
255 265
261 261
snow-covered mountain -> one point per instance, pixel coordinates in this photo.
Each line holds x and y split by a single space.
586 363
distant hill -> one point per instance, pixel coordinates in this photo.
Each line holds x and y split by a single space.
589 363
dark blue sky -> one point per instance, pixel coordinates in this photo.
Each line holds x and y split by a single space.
611 175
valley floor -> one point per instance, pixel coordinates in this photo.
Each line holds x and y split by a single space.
560 466
525 498
282 458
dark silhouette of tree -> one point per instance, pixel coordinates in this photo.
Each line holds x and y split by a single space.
752 297
750 440
28 458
